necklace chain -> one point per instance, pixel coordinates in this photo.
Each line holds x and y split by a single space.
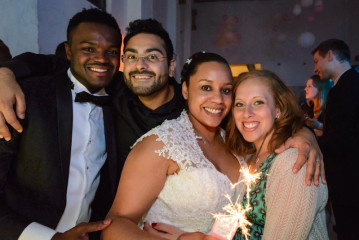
200 138
256 157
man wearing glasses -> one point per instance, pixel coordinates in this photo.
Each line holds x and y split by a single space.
149 94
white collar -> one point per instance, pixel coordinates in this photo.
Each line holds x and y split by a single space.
79 87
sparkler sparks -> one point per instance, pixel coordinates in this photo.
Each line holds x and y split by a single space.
234 215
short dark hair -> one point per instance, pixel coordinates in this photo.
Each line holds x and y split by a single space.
150 26
339 47
191 65
92 15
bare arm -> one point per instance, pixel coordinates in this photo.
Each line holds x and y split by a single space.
309 152
142 179
170 232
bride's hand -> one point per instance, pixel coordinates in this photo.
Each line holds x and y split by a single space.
163 230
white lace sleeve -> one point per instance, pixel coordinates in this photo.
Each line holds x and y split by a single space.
180 143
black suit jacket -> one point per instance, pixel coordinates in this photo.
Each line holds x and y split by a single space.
340 139
34 165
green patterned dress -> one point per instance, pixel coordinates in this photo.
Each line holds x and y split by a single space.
257 216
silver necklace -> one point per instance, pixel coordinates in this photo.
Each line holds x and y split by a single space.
198 137
259 150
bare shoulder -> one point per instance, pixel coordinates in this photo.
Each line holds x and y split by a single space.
145 155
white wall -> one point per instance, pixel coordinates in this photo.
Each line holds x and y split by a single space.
54 16
19 25
40 25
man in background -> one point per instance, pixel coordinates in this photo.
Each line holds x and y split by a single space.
340 139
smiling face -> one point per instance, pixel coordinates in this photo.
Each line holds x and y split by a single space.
94 52
254 110
143 77
321 65
208 94
311 92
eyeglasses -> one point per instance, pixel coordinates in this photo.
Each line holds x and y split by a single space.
133 58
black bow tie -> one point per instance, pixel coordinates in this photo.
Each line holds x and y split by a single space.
82 97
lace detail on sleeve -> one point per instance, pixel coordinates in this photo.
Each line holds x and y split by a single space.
180 143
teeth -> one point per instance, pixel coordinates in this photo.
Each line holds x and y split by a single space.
98 70
212 110
142 77
250 125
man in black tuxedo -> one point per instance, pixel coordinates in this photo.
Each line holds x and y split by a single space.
62 169
340 139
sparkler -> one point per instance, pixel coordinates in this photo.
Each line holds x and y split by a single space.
234 215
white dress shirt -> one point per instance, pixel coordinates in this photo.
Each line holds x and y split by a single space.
88 154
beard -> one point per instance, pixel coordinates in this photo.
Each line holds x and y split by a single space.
145 91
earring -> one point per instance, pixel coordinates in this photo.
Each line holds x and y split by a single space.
277 116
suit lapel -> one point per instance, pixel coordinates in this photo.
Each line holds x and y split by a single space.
65 122
112 168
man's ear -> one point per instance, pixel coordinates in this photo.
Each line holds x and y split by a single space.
329 55
185 90
68 51
172 68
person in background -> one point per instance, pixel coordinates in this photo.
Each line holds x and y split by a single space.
316 92
61 171
264 114
5 54
340 139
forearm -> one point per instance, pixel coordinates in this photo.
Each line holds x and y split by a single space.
124 228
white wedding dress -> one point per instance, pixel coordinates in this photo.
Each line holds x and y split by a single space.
189 199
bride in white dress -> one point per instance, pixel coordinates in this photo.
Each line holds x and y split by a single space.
179 172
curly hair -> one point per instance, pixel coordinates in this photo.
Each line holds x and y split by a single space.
150 26
92 15
289 122
191 65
